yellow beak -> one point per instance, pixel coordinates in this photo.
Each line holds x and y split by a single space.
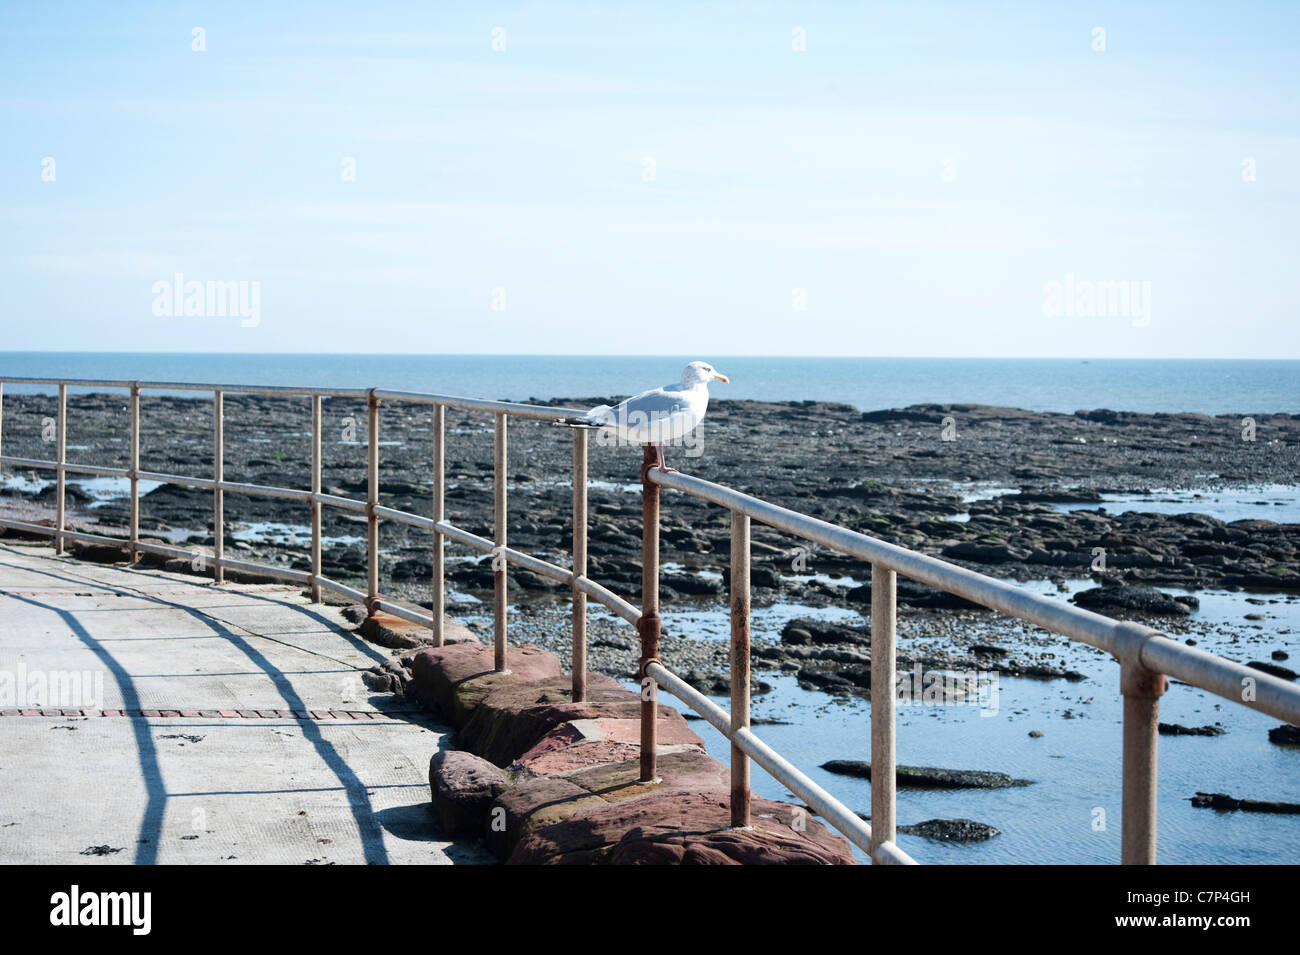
722 378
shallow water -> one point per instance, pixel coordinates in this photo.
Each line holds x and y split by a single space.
1072 812
1279 503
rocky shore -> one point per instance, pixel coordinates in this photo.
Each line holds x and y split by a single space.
977 485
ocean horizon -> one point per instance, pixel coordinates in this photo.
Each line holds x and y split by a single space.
1201 386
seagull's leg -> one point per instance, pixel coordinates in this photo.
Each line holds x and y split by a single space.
659 451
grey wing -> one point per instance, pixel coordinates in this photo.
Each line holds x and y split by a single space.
653 404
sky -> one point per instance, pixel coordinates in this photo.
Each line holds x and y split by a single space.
878 179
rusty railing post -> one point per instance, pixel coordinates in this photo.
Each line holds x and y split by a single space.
579 667
499 592
1142 690
317 424
218 494
883 769
372 501
438 605
134 474
649 625
61 479
740 596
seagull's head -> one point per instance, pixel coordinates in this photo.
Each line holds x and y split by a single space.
701 373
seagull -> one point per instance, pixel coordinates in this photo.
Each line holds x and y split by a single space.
658 415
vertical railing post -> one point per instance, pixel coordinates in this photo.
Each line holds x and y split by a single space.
61 479
439 602
740 596
649 624
372 501
1142 690
218 475
883 769
499 537
579 668
317 425
2 425
135 472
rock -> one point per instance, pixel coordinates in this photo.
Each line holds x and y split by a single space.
692 584
806 630
1225 803
717 683
391 677
687 770
1285 735
354 613
1125 598
533 804
676 828
1178 729
394 633
1036 734
952 830
511 719
449 681
1280 655
985 553
910 593
1060 496
929 777
99 553
463 787
1273 669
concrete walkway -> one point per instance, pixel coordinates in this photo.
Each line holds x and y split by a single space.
233 726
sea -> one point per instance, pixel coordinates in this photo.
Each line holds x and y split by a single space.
1036 384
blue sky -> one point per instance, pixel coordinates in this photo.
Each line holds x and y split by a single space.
914 178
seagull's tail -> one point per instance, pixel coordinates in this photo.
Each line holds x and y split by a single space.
592 419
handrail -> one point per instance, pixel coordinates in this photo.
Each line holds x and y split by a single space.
1130 642
1146 656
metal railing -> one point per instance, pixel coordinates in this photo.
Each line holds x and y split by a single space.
1146 657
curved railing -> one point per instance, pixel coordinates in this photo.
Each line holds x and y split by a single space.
1146 657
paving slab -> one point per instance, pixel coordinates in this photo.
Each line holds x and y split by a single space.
260 743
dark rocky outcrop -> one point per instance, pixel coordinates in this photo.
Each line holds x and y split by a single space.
929 777
1225 803
1285 735
717 683
1272 669
1122 599
952 830
1178 729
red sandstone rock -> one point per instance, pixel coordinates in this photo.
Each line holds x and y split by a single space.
676 828
450 680
398 634
598 811
533 804
463 787
583 743
509 720
688 770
